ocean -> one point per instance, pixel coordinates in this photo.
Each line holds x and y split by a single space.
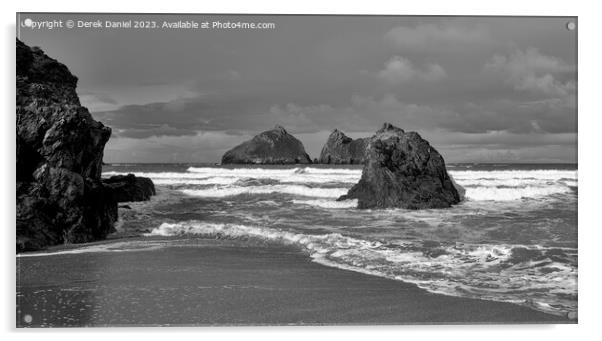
513 238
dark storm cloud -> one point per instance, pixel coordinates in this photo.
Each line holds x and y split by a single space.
506 85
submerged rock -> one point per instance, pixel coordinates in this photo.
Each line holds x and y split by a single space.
130 187
60 198
274 146
341 149
403 170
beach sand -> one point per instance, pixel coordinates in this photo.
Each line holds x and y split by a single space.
226 282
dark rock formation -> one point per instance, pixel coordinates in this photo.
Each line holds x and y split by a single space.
403 170
341 149
130 188
60 198
274 146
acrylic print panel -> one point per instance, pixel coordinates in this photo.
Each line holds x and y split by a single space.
201 170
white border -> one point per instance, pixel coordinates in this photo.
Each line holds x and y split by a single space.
590 170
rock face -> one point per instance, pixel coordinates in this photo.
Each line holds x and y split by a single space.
130 188
403 170
60 198
274 146
341 149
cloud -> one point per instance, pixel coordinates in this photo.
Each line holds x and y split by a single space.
366 113
202 130
200 147
533 72
187 117
433 72
229 75
503 146
98 101
401 70
153 119
154 130
445 36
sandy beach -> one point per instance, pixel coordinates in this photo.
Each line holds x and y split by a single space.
223 282
295 169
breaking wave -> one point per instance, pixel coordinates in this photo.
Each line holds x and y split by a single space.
492 185
328 203
512 193
290 175
514 185
300 190
538 277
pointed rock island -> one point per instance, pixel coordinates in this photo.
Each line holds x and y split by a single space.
341 149
403 170
274 146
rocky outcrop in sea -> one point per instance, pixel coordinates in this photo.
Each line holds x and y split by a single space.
274 146
60 197
403 170
129 187
341 149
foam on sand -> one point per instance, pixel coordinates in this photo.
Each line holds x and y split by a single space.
128 246
539 277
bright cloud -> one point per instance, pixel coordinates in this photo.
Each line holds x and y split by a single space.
532 71
400 70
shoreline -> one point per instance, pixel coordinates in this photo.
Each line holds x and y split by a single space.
282 282
262 285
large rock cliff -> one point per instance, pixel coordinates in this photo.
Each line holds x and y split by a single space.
341 149
60 198
403 170
274 146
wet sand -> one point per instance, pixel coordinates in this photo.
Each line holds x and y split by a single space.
224 282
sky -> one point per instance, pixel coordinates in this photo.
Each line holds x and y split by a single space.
480 89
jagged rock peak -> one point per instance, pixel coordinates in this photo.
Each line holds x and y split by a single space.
388 127
341 149
280 128
402 170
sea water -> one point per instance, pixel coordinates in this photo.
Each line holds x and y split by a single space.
513 238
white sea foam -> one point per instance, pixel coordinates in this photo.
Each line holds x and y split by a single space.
511 185
217 180
300 190
158 175
289 175
484 271
223 176
128 246
551 174
495 185
513 193
274 171
328 203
